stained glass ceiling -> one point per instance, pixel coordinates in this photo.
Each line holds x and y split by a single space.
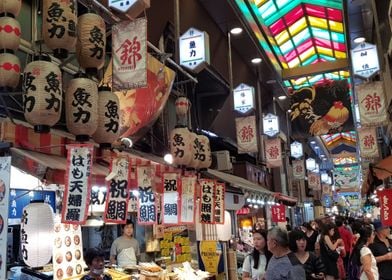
331 139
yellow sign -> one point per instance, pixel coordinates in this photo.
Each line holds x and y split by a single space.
210 252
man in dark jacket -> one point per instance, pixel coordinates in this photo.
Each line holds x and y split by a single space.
382 250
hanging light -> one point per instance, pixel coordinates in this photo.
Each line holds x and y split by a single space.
9 72
205 158
236 30
182 107
181 146
168 158
10 33
10 7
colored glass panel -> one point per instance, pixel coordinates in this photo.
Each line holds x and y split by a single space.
336 26
277 27
334 14
298 26
286 47
301 37
318 22
294 15
325 51
308 53
282 37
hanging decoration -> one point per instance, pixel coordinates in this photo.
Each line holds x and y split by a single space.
202 152
273 152
77 183
81 107
128 9
59 21
296 150
182 108
181 146
91 42
246 134
147 204
278 213
346 178
171 207
385 198
298 169
314 181
219 203
9 72
207 201
188 199
130 54
42 85
108 129
367 138
10 7
10 33
5 174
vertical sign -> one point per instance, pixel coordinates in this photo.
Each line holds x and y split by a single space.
244 98
385 197
270 125
371 103
77 183
188 186
219 209
298 169
278 213
147 207
364 59
170 201
118 191
367 138
273 152
246 134
130 54
5 172
314 181
207 201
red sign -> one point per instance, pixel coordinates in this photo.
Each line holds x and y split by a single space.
385 197
278 213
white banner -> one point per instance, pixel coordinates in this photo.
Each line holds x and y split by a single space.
170 201
273 152
371 103
129 52
246 134
299 169
188 199
219 209
367 137
5 172
314 181
147 202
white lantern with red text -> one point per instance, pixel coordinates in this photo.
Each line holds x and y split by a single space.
10 32
182 106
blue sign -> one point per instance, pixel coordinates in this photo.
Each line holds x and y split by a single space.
20 198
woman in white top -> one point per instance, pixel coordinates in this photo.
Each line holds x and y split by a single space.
255 264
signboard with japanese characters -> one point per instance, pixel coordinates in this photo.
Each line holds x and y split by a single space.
207 190
77 183
5 173
246 134
118 191
299 169
171 207
296 150
364 60
278 213
176 245
385 199
270 125
219 209
188 199
244 98
371 103
147 206
314 181
273 152
367 138
194 50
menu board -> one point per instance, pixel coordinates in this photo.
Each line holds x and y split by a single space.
176 244
67 251
5 172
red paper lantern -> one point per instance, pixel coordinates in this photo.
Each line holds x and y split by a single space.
10 7
9 72
10 32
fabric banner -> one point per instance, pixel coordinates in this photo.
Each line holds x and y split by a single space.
118 191
171 183
321 109
278 213
385 197
246 134
5 173
78 183
219 203
298 169
207 189
314 182
129 50
188 199
371 103
367 138
346 178
326 189
147 204
273 152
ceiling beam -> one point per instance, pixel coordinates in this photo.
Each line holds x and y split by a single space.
314 69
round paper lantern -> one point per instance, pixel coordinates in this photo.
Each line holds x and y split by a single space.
81 107
182 106
204 156
10 7
59 26
42 84
181 146
37 234
9 72
9 33
90 47
108 129
194 163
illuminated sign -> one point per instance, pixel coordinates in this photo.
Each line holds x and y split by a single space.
364 59
194 49
270 125
244 98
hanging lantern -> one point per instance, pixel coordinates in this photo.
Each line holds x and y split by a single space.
81 101
43 99
90 47
194 163
10 7
9 34
108 129
37 235
59 26
181 146
182 106
9 72
204 156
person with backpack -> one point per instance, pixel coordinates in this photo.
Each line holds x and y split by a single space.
382 250
362 264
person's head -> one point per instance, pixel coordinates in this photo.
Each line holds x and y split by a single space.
366 236
328 229
259 240
307 226
94 259
339 221
297 241
315 225
381 230
127 228
277 239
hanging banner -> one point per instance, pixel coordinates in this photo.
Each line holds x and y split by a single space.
278 213
118 191
129 49
78 183
371 103
207 188
326 189
273 152
246 134
147 206
346 178
367 137
5 173
385 197
314 181
188 199
298 169
219 209
171 183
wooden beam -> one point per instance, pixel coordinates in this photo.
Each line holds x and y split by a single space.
314 69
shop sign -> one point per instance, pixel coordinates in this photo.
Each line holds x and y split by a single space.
310 164
129 54
385 197
147 207
207 204
194 50
270 125
244 98
5 173
364 60
246 134
314 182
122 5
298 169
188 186
278 213
219 209
273 152
367 137
77 183
171 183
296 150
118 191
210 255
176 244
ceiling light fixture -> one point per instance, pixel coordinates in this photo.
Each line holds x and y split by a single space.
282 97
313 142
359 40
168 158
256 60
236 30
